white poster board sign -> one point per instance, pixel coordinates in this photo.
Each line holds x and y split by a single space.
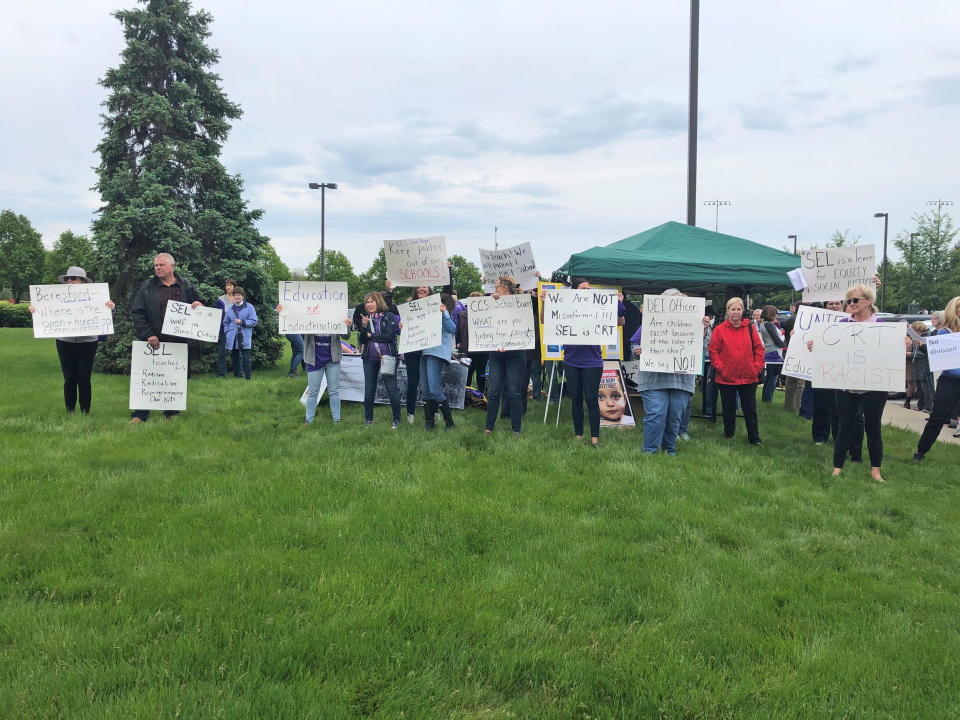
158 377
860 356
417 261
579 317
809 322
312 308
199 323
506 323
351 385
516 261
830 272
943 351
71 310
672 338
422 324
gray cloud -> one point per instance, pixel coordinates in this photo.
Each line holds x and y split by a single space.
943 90
754 117
851 63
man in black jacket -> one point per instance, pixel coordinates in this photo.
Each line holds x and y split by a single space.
150 306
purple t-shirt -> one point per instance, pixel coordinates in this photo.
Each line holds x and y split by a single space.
588 356
321 348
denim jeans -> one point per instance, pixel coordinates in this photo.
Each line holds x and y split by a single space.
222 355
535 373
332 372
296 352
371 372
685 417
584 385
412 362
806 401
431 377
663 409
770 384
241 356
507 375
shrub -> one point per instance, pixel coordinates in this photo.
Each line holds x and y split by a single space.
15 315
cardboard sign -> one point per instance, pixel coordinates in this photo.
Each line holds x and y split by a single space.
199 323
809 322
71 310
422 324
672 339
453 381
516 261
860 356
580 317
943 351
503 324
830 272
312 308
158 377
417 261
615 410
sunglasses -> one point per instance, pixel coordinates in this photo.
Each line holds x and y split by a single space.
68 278
854 301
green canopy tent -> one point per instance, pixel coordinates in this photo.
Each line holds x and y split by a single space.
682 256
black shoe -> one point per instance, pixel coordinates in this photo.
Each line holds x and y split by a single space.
447 415
429 411
952 424
917 457
758 441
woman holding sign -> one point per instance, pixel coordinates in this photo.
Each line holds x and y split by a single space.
77 354
947 397
737 357
432 362
507 372
378 342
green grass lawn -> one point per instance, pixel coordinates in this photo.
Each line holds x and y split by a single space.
232 564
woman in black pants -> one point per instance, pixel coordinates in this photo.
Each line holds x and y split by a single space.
77 354
947 398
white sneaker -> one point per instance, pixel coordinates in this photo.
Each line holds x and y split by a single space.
411 419
956 433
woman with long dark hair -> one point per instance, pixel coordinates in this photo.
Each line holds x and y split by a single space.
378 341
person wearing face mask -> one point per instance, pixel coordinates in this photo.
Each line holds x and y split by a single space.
76 354
736 354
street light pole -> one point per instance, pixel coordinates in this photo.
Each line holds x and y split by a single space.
692 118
495 228
717 203
322 187
794 238
883 275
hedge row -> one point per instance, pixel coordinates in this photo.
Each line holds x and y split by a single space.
15 315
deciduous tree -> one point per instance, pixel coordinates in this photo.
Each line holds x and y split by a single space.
22 255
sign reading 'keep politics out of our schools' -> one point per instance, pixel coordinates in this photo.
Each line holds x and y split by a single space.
516 262
505 323
158 376
860 356
579 317
71 310
312 308
672 339
417 261
196 323
830 272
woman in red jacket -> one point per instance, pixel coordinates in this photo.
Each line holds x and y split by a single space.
736 355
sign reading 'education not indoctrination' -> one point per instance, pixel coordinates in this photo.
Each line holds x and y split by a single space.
417 261
422 324
158 376
830 272
312 308
199 323
580 317
506 323
672 339
71 310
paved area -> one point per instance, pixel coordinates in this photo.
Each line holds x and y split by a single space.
897 415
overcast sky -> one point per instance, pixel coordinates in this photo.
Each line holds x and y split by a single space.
563 123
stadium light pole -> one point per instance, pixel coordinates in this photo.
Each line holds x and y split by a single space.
717 203
793 293
883 272
323 187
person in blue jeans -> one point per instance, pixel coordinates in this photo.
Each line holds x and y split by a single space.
296 353
238 323
323 354
378 339
507 372
433 360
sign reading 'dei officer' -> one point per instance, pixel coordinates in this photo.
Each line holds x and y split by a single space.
860 356
502 324
71 310
158 376
672 339
579 317
422 324
312 308
199 323
830 272
417 261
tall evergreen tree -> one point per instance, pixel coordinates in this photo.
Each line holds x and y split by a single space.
161 181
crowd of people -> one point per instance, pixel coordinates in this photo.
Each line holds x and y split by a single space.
743 351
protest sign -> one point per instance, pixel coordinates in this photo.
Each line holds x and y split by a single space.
516 261
554 351
580 317
830 272
502 324
417 261
312 308
943 351
860 356
422 324
199 323
672 338
453 382
158 376
71 310
630 369
615 410
798 360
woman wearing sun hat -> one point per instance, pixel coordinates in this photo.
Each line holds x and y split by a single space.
76 353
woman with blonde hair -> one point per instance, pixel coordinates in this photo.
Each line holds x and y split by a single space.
947 396
736 354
